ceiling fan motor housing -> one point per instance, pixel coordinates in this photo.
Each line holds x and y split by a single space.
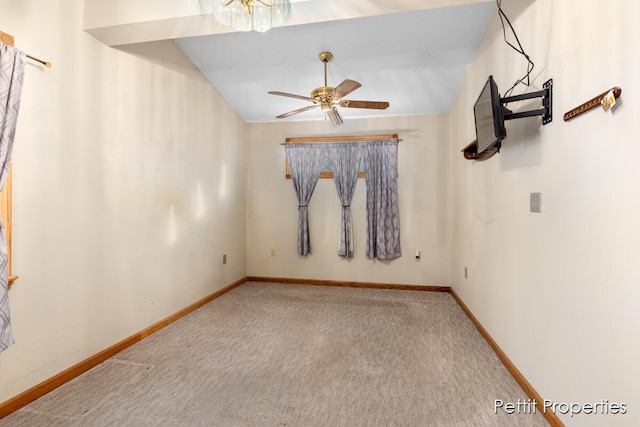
323 96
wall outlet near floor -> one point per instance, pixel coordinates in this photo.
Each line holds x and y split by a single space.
273 251
465 273
224 258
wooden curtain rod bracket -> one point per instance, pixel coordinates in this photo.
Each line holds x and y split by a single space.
10 41
6 39
591 104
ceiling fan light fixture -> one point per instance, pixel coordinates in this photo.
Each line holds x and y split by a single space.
247 15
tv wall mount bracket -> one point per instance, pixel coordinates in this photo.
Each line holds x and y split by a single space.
547 104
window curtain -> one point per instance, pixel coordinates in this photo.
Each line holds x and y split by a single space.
305 164
344 162
12 63
383 218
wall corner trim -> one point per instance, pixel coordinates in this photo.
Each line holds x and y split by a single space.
550 416
67 375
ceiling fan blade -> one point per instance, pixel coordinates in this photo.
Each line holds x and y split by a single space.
291 95
375 105
299 110
335 116
345 88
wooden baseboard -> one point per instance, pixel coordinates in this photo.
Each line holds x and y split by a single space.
551 417
45 387
370 285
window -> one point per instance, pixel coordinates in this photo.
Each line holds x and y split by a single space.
5 194
5 211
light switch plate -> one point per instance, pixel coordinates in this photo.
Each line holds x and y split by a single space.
535 202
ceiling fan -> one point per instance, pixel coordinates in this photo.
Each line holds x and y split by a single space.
328 98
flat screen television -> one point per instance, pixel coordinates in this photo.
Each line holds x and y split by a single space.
489 116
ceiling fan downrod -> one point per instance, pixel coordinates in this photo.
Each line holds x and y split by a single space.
325 57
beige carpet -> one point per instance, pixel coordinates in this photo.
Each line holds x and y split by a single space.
290 355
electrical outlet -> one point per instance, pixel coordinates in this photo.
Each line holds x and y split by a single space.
273 251
465 273
417 256
224 258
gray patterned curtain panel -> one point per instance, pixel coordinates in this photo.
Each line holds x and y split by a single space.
383 218
305 164
344 163
12 62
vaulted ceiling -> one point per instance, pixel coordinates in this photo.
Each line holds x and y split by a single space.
413 54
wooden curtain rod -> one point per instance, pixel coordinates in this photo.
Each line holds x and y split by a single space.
9 41
342 138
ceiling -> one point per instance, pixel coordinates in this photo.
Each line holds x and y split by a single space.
416 60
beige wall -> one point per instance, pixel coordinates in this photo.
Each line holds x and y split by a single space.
129 185
560 290
130 177
423 191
